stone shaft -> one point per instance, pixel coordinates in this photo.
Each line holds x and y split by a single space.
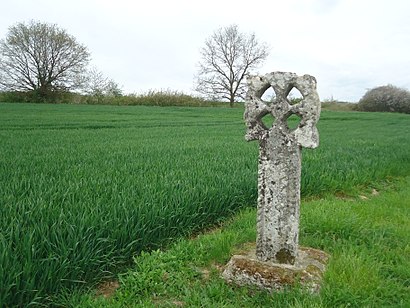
278 198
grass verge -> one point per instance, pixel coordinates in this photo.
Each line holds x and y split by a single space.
367 237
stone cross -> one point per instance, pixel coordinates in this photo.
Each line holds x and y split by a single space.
279 165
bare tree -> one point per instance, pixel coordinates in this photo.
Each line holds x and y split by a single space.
96 82
41 57
99 86
226 58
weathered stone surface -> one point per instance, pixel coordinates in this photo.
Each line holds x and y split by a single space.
247 270
280 158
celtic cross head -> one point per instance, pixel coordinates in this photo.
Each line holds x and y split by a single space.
308 109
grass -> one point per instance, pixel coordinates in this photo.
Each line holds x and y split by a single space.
368 239
83 188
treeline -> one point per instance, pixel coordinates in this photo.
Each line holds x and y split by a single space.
380 99
150 98
42 63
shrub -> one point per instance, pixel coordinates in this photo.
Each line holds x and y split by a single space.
150 98
336 105
385 98
164 98
56 97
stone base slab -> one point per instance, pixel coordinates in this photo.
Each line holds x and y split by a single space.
246 270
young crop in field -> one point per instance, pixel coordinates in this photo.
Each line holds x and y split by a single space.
83 189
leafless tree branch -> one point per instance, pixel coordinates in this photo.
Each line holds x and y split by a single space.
226 58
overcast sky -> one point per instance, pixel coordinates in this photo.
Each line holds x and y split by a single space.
348 45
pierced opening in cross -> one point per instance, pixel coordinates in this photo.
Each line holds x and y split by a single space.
294 96
293 121
269 96
267 121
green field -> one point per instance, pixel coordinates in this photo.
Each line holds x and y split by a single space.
85 188
367 237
